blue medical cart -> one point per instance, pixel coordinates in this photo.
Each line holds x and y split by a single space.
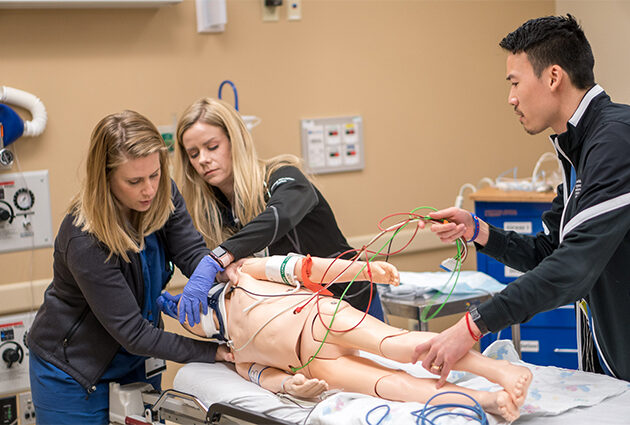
549 338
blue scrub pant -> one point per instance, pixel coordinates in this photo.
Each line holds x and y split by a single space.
376 308
59 399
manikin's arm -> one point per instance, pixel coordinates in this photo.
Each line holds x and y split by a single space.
381 271
278 381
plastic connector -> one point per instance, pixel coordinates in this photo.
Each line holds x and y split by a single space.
449 264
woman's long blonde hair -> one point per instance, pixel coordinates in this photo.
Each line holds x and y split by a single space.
116 139
250 173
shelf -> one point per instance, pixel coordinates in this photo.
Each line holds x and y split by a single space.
83 4
491 194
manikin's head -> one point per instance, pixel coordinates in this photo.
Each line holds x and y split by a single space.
550 62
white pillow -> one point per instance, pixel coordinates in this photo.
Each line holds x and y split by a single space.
219 382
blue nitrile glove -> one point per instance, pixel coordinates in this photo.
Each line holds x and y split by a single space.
196 290
168 303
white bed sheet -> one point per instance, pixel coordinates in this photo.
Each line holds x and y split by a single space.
555 396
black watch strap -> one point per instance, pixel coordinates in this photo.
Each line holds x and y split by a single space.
476 317
217 253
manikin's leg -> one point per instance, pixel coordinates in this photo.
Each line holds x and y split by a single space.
379 338
357 374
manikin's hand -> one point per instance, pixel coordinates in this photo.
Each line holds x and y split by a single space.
230 274
441 352
297 385
460 223
224 354
196 291
382 272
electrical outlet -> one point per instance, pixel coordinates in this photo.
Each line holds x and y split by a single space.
334 144
26 409
294 10
270 13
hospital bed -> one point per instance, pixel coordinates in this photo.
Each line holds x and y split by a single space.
216 394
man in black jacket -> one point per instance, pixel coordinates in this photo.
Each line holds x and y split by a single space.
584 250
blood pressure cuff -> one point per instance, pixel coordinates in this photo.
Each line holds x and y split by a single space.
12 124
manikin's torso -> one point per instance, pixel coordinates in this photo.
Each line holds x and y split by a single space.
275 344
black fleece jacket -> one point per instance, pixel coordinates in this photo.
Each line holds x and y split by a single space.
584 251
297 219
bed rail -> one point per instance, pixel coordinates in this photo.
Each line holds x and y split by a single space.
217 410
186 409
176 406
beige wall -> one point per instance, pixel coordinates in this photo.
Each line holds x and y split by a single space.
606 26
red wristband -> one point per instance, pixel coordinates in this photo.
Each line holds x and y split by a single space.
307 263
472 334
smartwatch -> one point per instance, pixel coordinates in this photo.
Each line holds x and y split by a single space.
476 317
220 255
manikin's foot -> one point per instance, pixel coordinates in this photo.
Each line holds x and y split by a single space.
499 403
399 386
515 379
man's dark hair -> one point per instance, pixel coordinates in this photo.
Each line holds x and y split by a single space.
554 40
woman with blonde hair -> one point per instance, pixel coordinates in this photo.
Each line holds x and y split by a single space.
100 318
244 205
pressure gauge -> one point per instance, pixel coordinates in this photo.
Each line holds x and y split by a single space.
24 199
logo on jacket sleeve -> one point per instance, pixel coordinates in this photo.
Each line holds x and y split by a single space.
577 188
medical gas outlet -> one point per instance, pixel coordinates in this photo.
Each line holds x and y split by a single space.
333 144
25 220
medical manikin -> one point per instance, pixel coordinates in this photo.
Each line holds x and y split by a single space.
272 338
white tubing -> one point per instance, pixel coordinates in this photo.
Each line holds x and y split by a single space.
544 157
486 180
30 102
459 200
